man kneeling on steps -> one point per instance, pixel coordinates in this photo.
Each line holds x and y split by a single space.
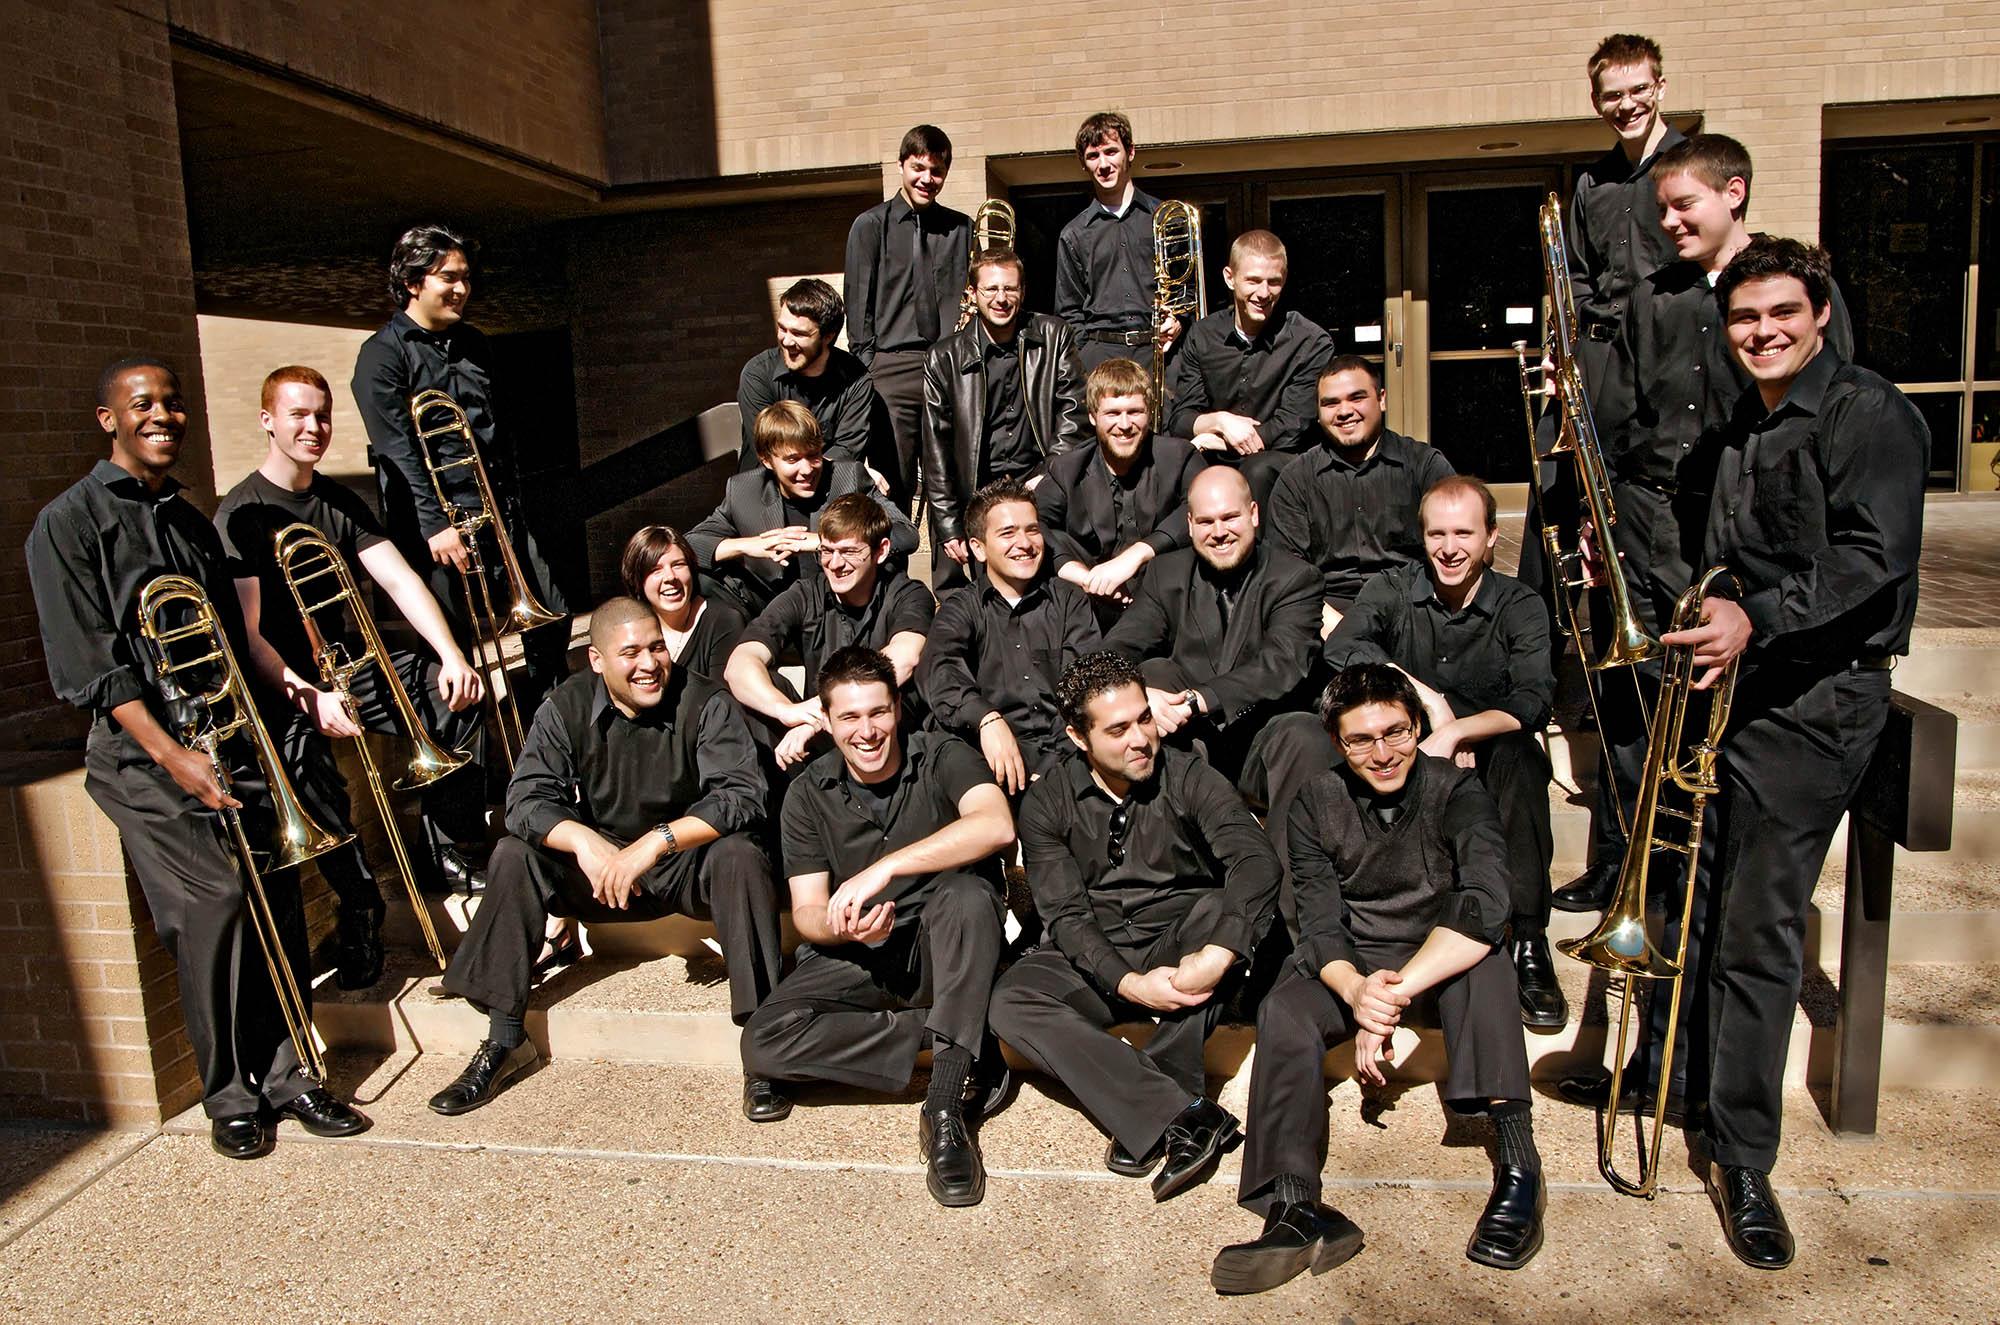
1400 873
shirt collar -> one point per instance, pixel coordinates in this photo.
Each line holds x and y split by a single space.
1385 452
1272 326
1807 394
126 484
829 771
1033 594
1364 795
660 715
1076 767
1423 592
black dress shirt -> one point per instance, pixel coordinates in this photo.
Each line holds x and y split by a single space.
986 655
753 503
1358 881
810 619
842 398
250 518
1819 509
706 650
1615 237
1104 267
691 754
1187 833
1273 379
886 281
91 552
1491 654
831 826
1354 520
1245 640
1090 514
1006 450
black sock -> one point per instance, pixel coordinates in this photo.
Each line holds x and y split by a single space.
1514 1124
951 1066
1291 1189
505 1030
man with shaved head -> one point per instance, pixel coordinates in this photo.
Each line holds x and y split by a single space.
632 799
1226 631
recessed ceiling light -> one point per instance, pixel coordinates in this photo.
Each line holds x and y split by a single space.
1164 165
1505 144
1965 120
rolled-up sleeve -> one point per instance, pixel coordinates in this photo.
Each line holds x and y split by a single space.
732 780
1479 905
1250 870
1323 935
90 661
542 792
1055 879
1524 628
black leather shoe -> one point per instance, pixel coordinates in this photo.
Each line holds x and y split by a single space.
1542 1003
763 1102
240 1136
1589 891
1120 1161
1195 1142
1751 1219
456 874
953 1169
1592 1090
491 1068
1296 1238
357 950
1509 1232
320 1113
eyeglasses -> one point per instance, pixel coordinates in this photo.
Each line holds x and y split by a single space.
1121 819
1641 94
1395 738
842 553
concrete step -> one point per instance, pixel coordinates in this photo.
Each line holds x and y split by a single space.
1951 661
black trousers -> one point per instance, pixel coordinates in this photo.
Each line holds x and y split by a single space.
1514 768
187 866
1291 750
860 1015
1479 1012
1057 1019
898 376
728 881
1259 469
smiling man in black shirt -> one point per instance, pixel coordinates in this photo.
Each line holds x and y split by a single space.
1105 272
633 799
1156 884
1475 643
808 367
891 849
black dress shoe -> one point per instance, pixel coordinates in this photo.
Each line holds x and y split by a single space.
1296 1238
763 1102
319 1112
953 1169
1120 1161
1195 1142
1592 1090
455 875
491 1068
1509 1232
1591 890
1751 1219
1542 1003
240 1136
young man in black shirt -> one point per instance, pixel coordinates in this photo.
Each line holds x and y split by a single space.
1000 398
1109 509
761 536
1475 644
855 599
906 261
91 554
287 489
891 848
634 798
1155 883
998 646
1402 895
1105 273
1348 504
1818 512
426 346
808 367
1245 386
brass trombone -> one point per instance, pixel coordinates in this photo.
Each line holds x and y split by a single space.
305 556
489 627
1620 945
992 227
1180 283
183 656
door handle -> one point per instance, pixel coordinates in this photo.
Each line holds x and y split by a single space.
1398 348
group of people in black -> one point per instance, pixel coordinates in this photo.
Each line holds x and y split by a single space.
1231 675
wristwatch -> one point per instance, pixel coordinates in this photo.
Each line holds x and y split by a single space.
666 831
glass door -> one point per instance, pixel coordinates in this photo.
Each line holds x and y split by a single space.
1344 241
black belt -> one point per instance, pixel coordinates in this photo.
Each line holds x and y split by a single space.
1883 663
1601 331
1121 337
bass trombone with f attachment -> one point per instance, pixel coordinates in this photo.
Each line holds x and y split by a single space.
438 418
1620 945
305 558
207 700
992 227
1180 282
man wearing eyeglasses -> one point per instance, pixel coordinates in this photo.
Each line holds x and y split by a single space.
1396 859
854 600
1155 883
1000 398
1475 643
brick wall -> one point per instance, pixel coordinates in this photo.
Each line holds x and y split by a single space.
659 108
520 74
237 353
